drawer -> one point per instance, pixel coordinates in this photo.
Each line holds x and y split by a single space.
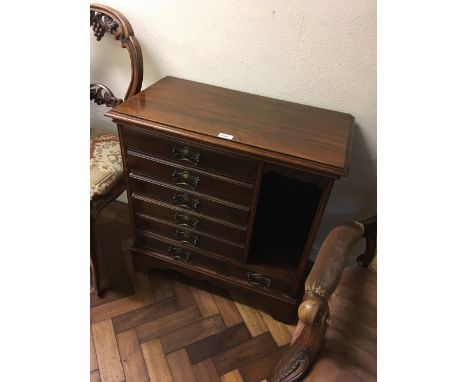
183 255
189 237
185 178
188 199
182 217
185 152
258 279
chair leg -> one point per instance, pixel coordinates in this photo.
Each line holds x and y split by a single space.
95 271
96 207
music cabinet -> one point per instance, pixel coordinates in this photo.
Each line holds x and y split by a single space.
228 186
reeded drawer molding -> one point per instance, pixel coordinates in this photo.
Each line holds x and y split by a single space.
153 259
189 153
258 278
181 254
196 180
188 199
208 224
189 237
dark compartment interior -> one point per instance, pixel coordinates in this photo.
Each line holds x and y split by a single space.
285 212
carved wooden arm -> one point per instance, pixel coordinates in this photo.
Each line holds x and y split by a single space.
314 313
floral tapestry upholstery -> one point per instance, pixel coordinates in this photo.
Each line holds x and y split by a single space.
106 162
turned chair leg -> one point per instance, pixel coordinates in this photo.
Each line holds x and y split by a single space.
95 271
96 207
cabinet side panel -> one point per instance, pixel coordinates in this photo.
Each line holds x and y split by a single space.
302 269
253 208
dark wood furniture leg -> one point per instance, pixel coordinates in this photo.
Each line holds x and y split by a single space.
95 268
96 207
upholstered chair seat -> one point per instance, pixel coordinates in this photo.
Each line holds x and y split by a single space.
105 162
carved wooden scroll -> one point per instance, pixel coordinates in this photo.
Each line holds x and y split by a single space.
102 95
104 20
314 314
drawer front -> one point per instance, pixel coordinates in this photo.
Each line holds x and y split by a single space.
258 279
190 237
188 200
187 153
189 179
177 253
184 218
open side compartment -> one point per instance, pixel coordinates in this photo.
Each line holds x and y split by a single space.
286 209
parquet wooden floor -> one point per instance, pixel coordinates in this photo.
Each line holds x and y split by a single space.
163 326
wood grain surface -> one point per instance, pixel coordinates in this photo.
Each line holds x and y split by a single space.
165 333
259 125
178 329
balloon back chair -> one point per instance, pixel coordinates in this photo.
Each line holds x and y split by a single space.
106 180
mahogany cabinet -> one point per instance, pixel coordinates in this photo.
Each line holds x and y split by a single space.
229 187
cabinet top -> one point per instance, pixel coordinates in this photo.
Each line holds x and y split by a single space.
291 133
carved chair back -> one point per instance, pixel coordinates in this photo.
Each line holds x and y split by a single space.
104 19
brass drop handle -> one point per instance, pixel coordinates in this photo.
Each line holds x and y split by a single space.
185 220
186 154
185 201
186 237
258 279
185 179
179 253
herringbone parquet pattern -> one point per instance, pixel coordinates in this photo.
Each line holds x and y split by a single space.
166 327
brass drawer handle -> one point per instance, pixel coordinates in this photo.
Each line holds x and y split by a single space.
185 179
186 154
185 201
185 220
186 237
258 279
179 253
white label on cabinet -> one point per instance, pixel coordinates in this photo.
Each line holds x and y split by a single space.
225 136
